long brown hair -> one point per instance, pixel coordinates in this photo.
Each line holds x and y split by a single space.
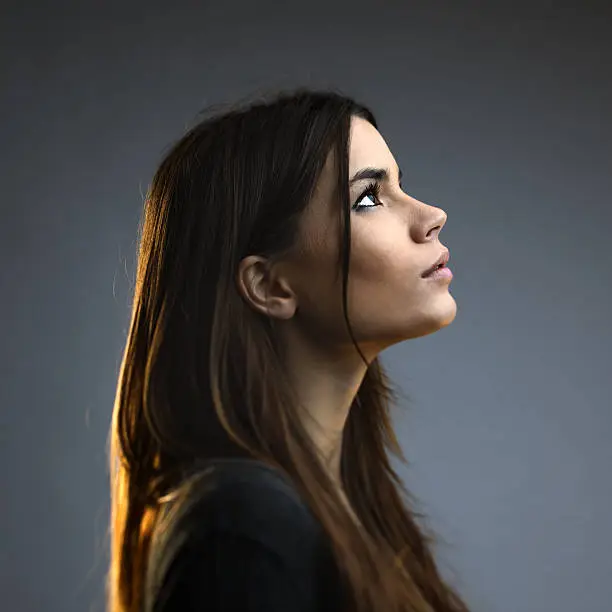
202 375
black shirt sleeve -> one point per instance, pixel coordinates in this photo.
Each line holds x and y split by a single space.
247 543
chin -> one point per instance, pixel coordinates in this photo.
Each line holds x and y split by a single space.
440 316
445 312
448 314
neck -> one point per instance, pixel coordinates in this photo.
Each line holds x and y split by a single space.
325 386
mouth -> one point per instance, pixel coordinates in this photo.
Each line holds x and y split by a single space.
438 264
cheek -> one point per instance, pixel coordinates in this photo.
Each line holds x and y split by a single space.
381 255
387 297
314 279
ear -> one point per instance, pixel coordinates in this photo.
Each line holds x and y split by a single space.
265 289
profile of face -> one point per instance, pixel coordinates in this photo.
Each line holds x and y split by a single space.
394 240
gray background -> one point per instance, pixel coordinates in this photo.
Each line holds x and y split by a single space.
502 116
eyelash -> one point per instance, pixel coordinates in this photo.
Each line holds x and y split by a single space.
372 189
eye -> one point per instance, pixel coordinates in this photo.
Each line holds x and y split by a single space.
371 192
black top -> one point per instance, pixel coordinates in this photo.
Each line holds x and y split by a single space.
246 543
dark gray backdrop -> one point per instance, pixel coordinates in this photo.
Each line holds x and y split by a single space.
502 116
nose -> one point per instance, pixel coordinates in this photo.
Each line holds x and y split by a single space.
438 219
431 223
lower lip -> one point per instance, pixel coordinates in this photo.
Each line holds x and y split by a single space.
440 273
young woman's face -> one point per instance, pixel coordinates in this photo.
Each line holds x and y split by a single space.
394 240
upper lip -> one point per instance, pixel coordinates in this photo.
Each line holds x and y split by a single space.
442 260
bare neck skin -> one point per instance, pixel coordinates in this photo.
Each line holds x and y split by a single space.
326 385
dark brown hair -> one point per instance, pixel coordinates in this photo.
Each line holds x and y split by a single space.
202 377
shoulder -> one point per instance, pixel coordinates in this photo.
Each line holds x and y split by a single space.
239 518
245 497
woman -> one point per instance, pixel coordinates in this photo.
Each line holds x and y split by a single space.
251 433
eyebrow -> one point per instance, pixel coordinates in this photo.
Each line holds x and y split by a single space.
379 174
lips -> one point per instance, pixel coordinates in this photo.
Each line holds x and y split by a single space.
439 263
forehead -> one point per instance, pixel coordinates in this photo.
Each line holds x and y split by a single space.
367 147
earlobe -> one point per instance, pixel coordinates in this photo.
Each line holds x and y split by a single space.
263 290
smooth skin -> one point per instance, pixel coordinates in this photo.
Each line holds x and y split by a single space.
395 238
